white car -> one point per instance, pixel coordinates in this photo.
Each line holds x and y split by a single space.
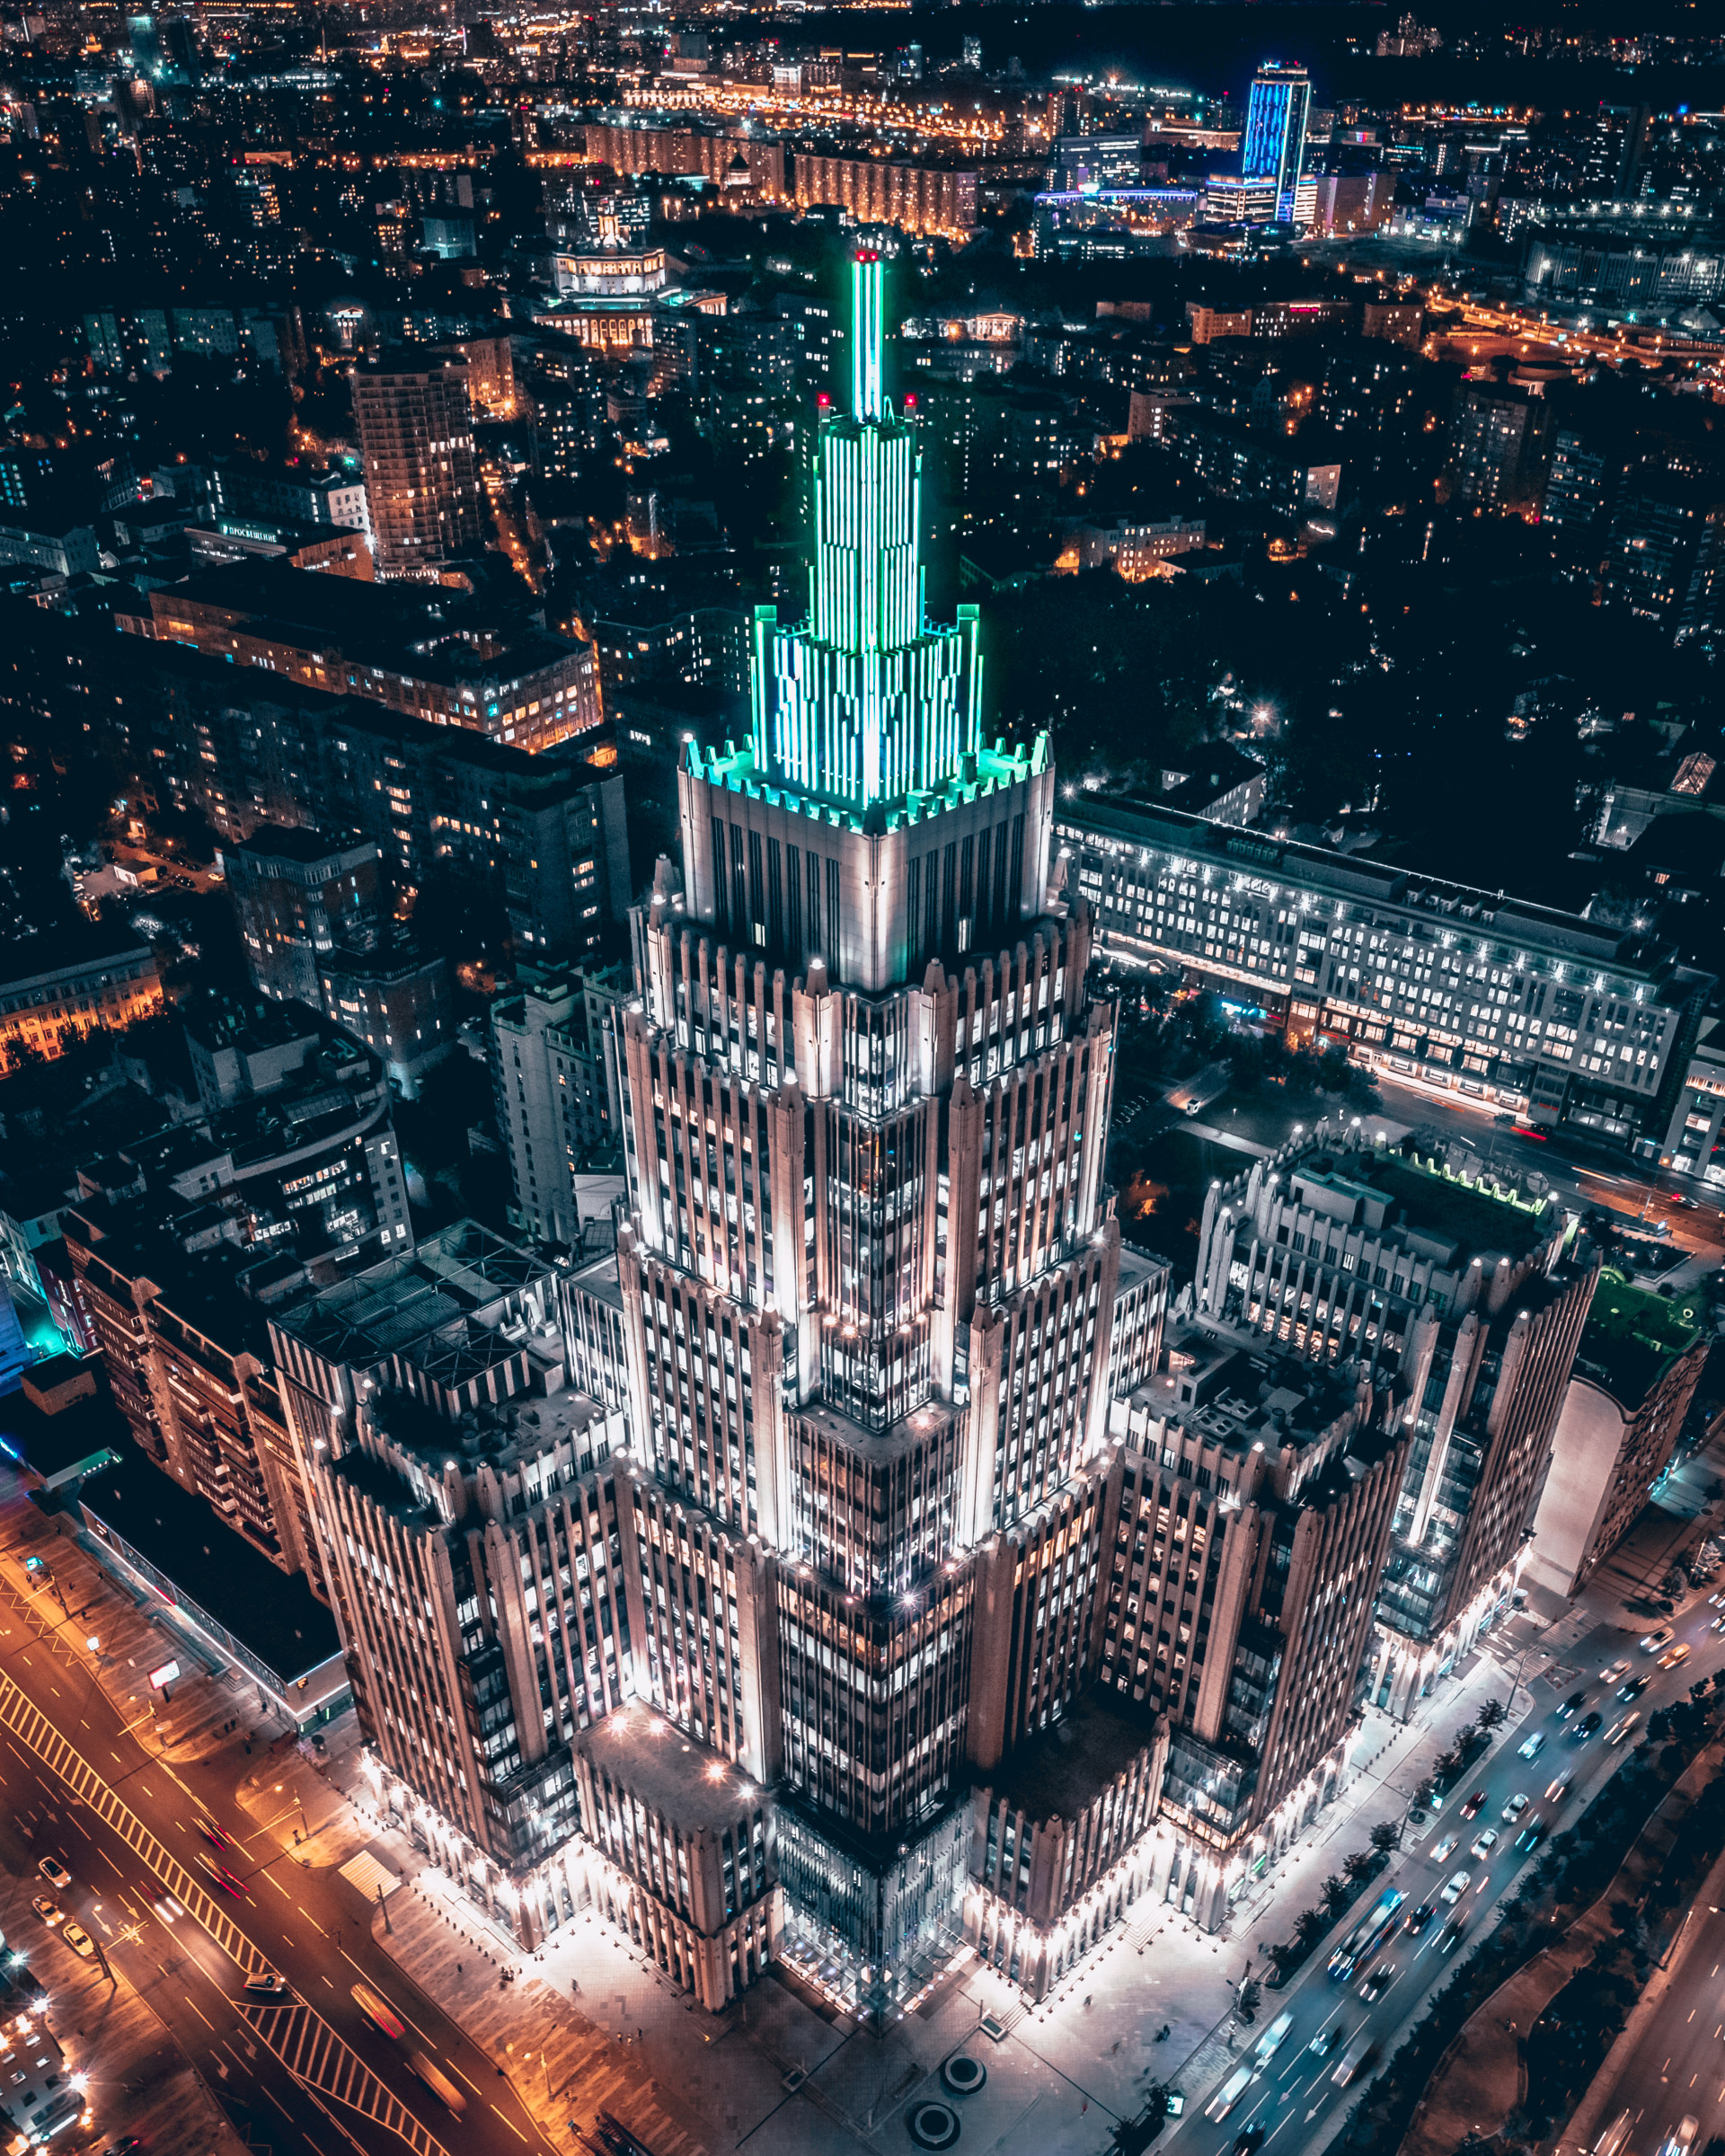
1485 1843
1532 1746
1456 1888
54 1872
1443 1851
1515 1807
1615 1674
1651 1642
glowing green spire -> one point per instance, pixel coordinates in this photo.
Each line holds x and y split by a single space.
865 702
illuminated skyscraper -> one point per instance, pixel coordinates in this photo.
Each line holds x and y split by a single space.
869 1270
1272 149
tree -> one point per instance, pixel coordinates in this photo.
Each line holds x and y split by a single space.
1493 1714
1251 1998
1385 1836
1334 1894
1309 1928
1449 1764
1133 2136
1357 1868
1466 1738
1424 1793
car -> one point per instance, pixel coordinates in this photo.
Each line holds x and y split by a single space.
1620 1730
1451 1936
1616 1675
1353 2057
267 1986
1573 1704
1515 1807
1680 2142
1673 1655
1442 1851
1591 1725
1457 1887
1474 1804
50 1913
1530 1747
1245 2144
439 2082
217 1837
1326 2041
1273 2039
131 2146
54 1872
168 1909
1556 1791
1718 1625
1420 1916
1653 1641
222 1876
382 2016
1379 1982
1635 1687
80 1941
1531 1836
1485 1844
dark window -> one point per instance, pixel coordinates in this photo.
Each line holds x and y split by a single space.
775 896
793 890
721 882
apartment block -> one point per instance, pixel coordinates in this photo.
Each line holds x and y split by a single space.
555 1081
532 690
296 895
416 441
60 986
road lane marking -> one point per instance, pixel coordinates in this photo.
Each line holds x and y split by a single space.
510 2124
276 1884
198 2011
109 1862
280 2106
310 1919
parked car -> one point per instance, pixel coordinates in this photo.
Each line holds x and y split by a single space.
80 1941
54 1872
50 1913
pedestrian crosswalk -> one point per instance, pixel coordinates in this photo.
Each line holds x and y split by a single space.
319 2059
32 1728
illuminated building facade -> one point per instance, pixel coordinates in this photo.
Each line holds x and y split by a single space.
870 1266
1272 149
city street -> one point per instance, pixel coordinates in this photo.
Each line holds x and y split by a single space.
1293 2099
129 1845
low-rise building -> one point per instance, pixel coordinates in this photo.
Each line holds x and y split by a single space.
556 1081
1559 1018
58 987
1695 1144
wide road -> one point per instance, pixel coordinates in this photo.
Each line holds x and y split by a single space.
1677 2070
354 2089
1293 2099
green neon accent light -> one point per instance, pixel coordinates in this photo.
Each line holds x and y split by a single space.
866 701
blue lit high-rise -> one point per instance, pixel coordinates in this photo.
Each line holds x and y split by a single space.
1272 149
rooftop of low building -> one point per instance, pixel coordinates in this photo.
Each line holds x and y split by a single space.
1065 1768
650 1758
1631 1337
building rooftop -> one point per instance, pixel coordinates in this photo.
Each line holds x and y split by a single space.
1631 1337
391 1309
79 946
298 842
1066 1767
1513 926
274 1614
642 1752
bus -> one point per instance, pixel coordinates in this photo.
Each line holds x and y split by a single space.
1365 1937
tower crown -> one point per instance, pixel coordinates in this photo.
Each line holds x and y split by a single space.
865 703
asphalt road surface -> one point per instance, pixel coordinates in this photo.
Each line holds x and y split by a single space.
354 2089
1292 2099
